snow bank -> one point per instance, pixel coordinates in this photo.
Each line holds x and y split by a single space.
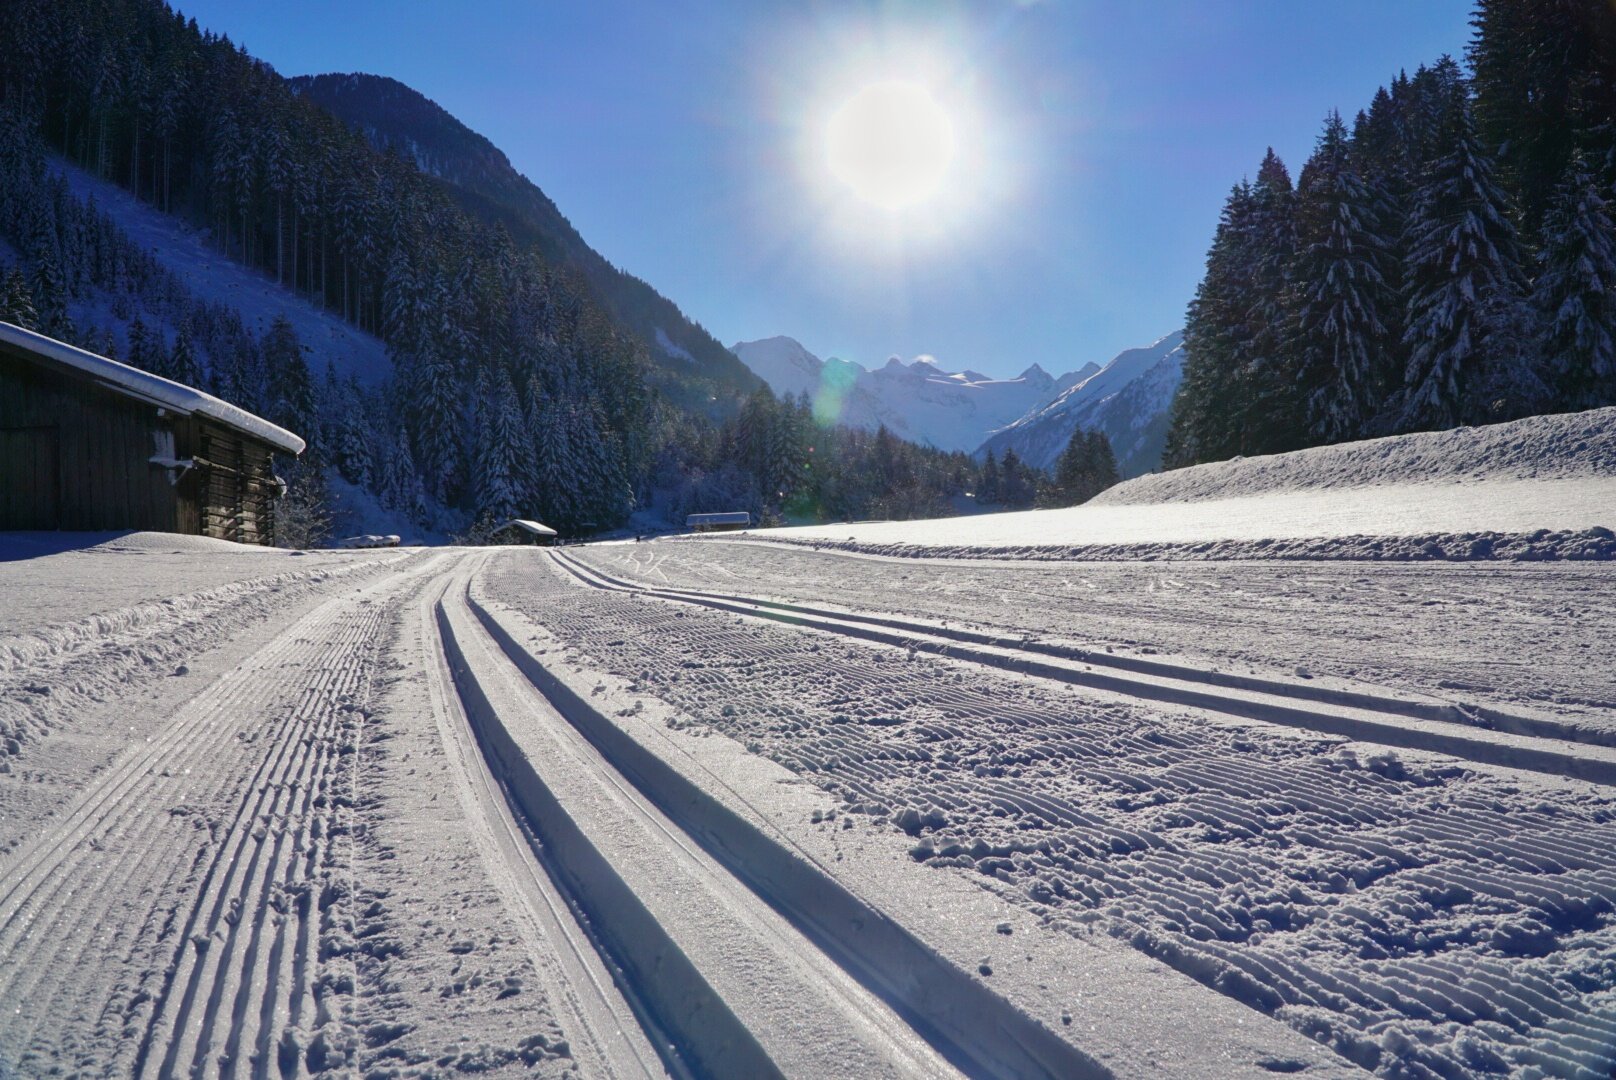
1539 447
1543 488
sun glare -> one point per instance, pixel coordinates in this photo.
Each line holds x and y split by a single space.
891 143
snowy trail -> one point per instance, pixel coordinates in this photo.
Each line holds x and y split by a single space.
1489 638
653 864
211 843
1409 913
605 1036
1523 742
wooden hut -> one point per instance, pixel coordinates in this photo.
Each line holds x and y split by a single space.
87 443
523 531
720 522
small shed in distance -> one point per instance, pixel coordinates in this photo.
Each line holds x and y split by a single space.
89 444
729 520
523 531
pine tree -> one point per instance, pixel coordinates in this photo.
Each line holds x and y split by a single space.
1463 292
1017 483
1084 469
142 353
987 484
1576 291
498 442
1342 332
1545 75
50 299
16 303
1217 344
291 401
1268 406
182 362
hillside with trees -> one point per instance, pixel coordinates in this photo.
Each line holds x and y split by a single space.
1447 259
513 388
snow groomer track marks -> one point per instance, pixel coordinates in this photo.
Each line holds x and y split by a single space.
739 953
1446 728
1397 906
204 863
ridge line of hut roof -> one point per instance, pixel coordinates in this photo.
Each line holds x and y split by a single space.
155 389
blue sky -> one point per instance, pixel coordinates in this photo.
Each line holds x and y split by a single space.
1097 142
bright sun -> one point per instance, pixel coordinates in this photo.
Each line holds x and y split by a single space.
891 143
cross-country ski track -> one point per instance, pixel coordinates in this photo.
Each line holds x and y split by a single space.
583 812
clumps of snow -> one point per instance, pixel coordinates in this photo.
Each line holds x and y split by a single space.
1538 447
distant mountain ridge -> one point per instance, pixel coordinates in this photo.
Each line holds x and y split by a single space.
480 176
918 400
1130 400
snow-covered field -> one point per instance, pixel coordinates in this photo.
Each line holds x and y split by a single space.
1470 493
731 808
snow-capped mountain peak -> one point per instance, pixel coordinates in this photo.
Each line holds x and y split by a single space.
1130 399
917 399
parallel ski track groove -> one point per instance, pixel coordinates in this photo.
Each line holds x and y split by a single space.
1366 717
117 856
969 1023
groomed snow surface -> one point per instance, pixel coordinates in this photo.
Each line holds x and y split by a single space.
1539 488
719 807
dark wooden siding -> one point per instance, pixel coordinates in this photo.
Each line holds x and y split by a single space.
100 454
238 488
30 477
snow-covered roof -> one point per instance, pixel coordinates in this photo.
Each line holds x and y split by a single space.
727 517
534 527
145 386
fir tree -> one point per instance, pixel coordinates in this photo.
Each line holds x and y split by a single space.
182 363
16 303
1342 331
291 401
1268 408
1084 469
1217 344
1576 291
50 300
498 441
987 484
142 352
1463 290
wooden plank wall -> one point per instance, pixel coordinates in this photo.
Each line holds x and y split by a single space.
102 448
237 501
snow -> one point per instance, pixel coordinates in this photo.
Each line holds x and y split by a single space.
718 806
212 276
1377 900
154 389
534 527
672 348
917 401
1457 490
1568 445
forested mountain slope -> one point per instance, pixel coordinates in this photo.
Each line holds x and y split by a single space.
508 389
483 181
